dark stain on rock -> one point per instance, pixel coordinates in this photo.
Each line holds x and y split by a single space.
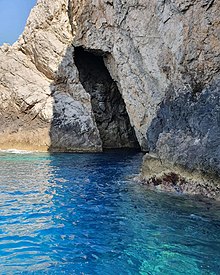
186 126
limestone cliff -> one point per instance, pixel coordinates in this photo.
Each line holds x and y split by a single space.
163 63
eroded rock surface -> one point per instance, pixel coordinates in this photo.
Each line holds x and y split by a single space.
163 56
107 103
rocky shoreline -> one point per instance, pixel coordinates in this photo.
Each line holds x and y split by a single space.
149 79
161 175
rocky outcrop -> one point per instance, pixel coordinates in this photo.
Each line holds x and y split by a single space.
163 56
44 104
107 103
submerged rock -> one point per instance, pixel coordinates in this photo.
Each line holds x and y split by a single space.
162 175
163 58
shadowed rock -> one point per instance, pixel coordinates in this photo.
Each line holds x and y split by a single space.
108 106
164 57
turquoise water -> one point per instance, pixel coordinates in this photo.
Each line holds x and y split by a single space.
83 214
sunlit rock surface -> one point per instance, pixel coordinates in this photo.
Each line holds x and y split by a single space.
162 55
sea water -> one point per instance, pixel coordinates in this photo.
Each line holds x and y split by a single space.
84 214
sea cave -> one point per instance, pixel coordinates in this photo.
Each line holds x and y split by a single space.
107 103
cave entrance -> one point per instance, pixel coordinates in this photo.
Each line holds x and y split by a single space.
107 103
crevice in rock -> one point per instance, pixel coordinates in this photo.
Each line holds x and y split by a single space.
107 103
70 15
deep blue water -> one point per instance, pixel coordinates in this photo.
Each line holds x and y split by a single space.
83 214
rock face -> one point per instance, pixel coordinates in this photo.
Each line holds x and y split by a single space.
108 106
163 58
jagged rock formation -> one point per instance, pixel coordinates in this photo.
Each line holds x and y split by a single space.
162 55
108 106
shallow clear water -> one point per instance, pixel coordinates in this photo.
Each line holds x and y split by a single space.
83 214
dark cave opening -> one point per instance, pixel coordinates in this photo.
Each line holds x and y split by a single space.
107 103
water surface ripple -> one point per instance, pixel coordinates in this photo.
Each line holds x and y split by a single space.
83 214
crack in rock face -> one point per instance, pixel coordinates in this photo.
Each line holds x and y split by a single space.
107 103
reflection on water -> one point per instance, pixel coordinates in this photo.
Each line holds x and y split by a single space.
25 210
81 214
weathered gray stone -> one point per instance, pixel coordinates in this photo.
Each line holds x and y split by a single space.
108 106
162 55
186 129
